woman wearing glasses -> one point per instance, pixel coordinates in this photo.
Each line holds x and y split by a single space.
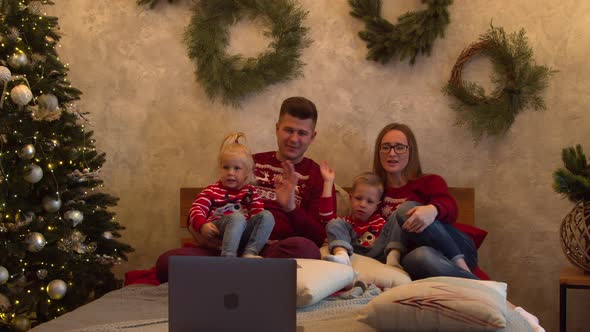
420 209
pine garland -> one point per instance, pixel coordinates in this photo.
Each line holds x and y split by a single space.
233 77
519 83
414 33
573 181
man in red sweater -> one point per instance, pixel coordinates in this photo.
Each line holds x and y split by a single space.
290 186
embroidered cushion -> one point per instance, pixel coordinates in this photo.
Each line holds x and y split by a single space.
439 304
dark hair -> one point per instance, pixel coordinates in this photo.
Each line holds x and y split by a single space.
299 107
413 170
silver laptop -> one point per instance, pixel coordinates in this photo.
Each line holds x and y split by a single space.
231 294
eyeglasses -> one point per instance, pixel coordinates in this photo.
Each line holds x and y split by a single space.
398 148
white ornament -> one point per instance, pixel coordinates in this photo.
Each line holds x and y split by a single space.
48 101
4 275
74 216
57 289
33 173
5 74
35 242
107 235
21 95
18 60
51 204
27 151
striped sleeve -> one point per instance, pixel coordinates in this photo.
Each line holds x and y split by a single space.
200 208
326 209
256 203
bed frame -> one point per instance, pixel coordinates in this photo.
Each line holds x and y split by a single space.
465 198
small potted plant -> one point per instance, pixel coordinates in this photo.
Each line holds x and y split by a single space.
573 182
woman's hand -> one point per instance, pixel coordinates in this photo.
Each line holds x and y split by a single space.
419 218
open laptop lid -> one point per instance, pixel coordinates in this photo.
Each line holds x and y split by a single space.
231 294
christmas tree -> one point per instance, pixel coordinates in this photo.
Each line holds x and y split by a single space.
58 239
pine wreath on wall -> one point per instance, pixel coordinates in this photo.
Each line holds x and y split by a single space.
414 33
232 77
519 83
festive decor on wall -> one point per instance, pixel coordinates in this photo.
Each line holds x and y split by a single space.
414 33
232 77
519 83
573 182
54 255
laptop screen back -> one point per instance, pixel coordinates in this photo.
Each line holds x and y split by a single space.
231 294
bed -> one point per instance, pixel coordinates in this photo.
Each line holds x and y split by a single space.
144 308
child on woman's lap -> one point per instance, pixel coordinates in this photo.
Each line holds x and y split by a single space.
362 232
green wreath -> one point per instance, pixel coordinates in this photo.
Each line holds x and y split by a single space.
233 77
519 83
414 33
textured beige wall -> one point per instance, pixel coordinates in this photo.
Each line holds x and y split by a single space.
160 132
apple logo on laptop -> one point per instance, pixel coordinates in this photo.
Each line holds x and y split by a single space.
231 301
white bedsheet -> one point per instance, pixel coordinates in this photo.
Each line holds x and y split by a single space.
143 308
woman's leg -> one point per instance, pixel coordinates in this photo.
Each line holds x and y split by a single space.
425 262
465 244
435 236
389 239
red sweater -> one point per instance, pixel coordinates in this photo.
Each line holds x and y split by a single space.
216 201
367 231
427 189
304 220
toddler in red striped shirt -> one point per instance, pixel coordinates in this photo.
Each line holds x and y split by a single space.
230 208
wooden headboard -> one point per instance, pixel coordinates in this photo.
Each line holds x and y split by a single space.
465 198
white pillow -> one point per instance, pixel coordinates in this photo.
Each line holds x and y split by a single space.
371 271
317 279
439 304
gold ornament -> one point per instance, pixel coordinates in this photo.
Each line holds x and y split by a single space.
21 323
18 60
57 289
27 152
35 242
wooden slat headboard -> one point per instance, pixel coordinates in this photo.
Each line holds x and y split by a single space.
465 198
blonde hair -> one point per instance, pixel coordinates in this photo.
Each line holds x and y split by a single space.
234 146
370 179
